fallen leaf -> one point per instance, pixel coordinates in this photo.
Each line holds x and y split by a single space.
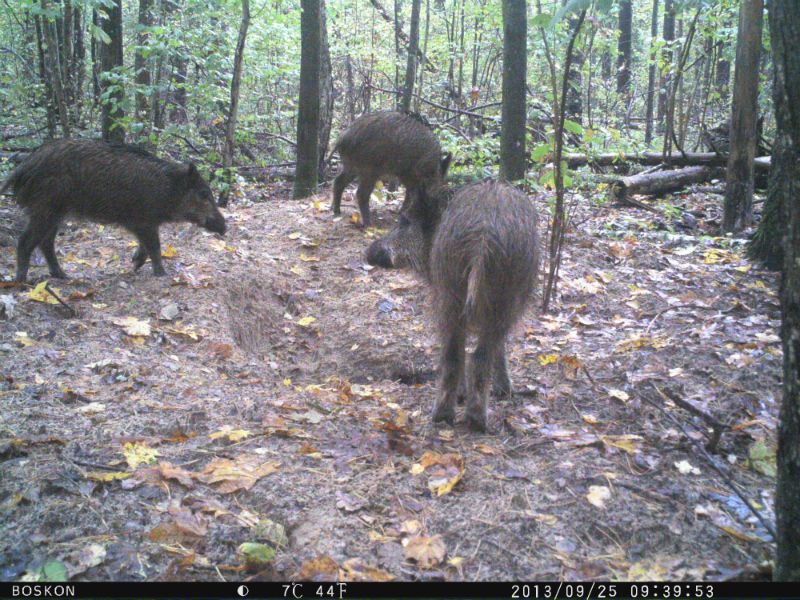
597 495
354 569
138 453
133 326
170 471
240 474
40 294
427 552
256 556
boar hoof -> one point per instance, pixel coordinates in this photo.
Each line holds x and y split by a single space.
476 421
158 271
445 411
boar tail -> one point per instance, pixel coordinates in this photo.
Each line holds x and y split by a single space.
476 280
11 181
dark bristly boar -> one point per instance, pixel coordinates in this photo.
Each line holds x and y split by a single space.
106 183
477 247
387 143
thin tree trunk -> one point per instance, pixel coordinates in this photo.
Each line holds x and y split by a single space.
111 57
326 97
140 64
49 97
738 212
236 81
624 47
411 64
667 58
574 104
305 181
651 75
512 133
54 72
424 51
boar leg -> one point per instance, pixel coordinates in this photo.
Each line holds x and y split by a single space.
139 257
342 180
501 384
365 187
148 239
452 374
49 250
478 381
34 234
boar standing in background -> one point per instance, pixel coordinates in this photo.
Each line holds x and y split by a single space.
387 143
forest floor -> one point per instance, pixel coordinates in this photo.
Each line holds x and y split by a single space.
274 390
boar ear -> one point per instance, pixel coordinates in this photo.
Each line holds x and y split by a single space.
191 170
446 158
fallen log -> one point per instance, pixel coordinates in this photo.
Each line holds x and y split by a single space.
660 182
656 158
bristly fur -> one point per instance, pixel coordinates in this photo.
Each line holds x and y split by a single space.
477 246
106 183
388 143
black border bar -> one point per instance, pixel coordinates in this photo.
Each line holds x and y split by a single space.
551 590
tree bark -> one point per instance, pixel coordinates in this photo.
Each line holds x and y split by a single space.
651 76
661 181
738 212
624 47
512 132
236 81
140 64
411 63
53 71
111 57
784 24
667 58
325 91
45 77
574 104
305 181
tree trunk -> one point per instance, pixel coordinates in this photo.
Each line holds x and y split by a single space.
236 80
411 64
425 49
574 106
111 57
512 132
784 24
305 181
667 58
722 78
624 47
140 64
53 71
651 76
325 92
738 212
43 74
767 243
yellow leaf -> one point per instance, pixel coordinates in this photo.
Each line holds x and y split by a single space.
169 251
628 443
240 474
138 453
22 338
355 218
298 270
306 321
98 476
295 235
306 258
133 326
233 435
546 359
417 469
42 295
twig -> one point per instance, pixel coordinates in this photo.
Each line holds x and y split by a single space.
711 421
674 307
60 301
712 463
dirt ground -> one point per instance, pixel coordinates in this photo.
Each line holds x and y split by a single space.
274 391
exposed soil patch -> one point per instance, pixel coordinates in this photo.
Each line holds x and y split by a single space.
320 373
